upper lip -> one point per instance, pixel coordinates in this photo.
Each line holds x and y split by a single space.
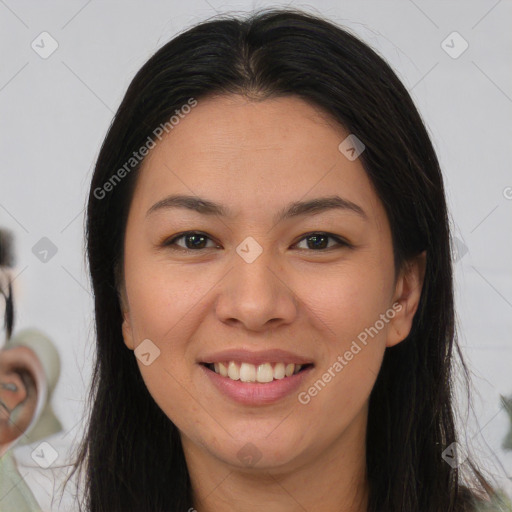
255 357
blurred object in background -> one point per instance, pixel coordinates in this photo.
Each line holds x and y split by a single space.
29 372
6 262
507 405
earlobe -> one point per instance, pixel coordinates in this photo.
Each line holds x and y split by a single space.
407 298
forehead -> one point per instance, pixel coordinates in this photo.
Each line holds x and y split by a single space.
252 153
235 127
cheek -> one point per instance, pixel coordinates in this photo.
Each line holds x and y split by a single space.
345 300
166 304
163 296
346 307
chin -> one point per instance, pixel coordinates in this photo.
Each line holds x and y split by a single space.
255 448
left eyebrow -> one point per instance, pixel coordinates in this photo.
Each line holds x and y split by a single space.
294 209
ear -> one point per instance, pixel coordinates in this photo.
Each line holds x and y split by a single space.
127 330
123 303
406 299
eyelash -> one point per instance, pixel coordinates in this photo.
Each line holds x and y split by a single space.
169 243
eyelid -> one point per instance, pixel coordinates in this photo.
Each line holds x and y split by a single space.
170 242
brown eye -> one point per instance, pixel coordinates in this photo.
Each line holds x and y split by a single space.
320 241
193 240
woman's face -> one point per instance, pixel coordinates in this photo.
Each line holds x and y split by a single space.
260 284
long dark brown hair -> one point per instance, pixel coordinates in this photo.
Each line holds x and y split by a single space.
131 453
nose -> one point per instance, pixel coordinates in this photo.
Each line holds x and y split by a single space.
256 295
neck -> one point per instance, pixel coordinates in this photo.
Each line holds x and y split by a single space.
334 479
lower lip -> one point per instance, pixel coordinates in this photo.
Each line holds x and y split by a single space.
257 393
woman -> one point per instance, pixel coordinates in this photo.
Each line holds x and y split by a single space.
269 250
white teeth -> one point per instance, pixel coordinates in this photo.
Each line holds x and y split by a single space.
279 371
247 372
222 370
265 373
233 371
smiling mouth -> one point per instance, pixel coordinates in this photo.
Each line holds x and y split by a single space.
261 373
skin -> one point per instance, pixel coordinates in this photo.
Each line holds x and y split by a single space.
255 158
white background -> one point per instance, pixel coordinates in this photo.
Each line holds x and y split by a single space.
54 114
